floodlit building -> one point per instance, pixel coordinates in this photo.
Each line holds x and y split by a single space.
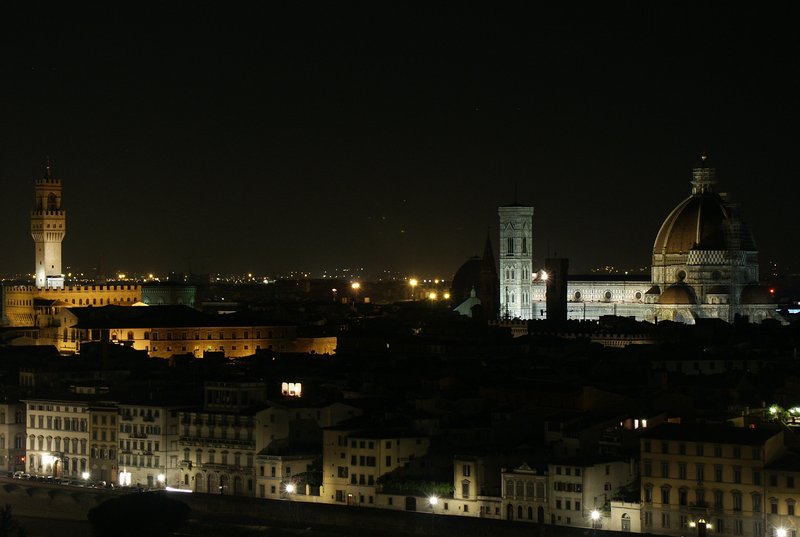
525 492
715 475
704 265
355 457
148 446
12 437
58 437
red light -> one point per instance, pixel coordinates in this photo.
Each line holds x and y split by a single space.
772 290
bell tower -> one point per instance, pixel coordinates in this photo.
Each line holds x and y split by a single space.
48 227
516 261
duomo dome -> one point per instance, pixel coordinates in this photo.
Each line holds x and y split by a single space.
705 259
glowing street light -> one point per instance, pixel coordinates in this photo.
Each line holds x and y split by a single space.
355 286
413 283
595 514
290 488
432 295
433 500
780 532
85 476
161 478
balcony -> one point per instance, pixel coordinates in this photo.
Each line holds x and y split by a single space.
217 442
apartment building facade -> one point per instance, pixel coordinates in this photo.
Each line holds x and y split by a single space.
713 476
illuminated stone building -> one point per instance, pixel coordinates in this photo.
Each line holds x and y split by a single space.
582 485
354 457
12 437
48 227
218 440
164 331
238 427
58 437
525 494
38 305
728 477
103 429
148 445
704 265
516 261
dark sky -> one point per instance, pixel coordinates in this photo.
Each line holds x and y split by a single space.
321 135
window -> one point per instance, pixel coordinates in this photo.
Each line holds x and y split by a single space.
738 527
718 499
737 452
681 470
756 477
683 497
718 451
700 495
664 445
790 481
773 506
756 454
465 490
665 520
647 468
756 503
737 501
646 446
700 471
737 474
718 473
665 495
467 470
648 493
699 449
790 507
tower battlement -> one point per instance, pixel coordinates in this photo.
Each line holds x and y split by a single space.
48 181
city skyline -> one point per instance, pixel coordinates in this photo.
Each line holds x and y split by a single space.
386 137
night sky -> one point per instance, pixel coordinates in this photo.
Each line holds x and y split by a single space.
384 135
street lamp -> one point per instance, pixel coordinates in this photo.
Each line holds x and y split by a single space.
161 478
413 283
702 527
780 532
595 515
290 488
355 286
334 290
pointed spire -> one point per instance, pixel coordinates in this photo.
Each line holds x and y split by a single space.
487 263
